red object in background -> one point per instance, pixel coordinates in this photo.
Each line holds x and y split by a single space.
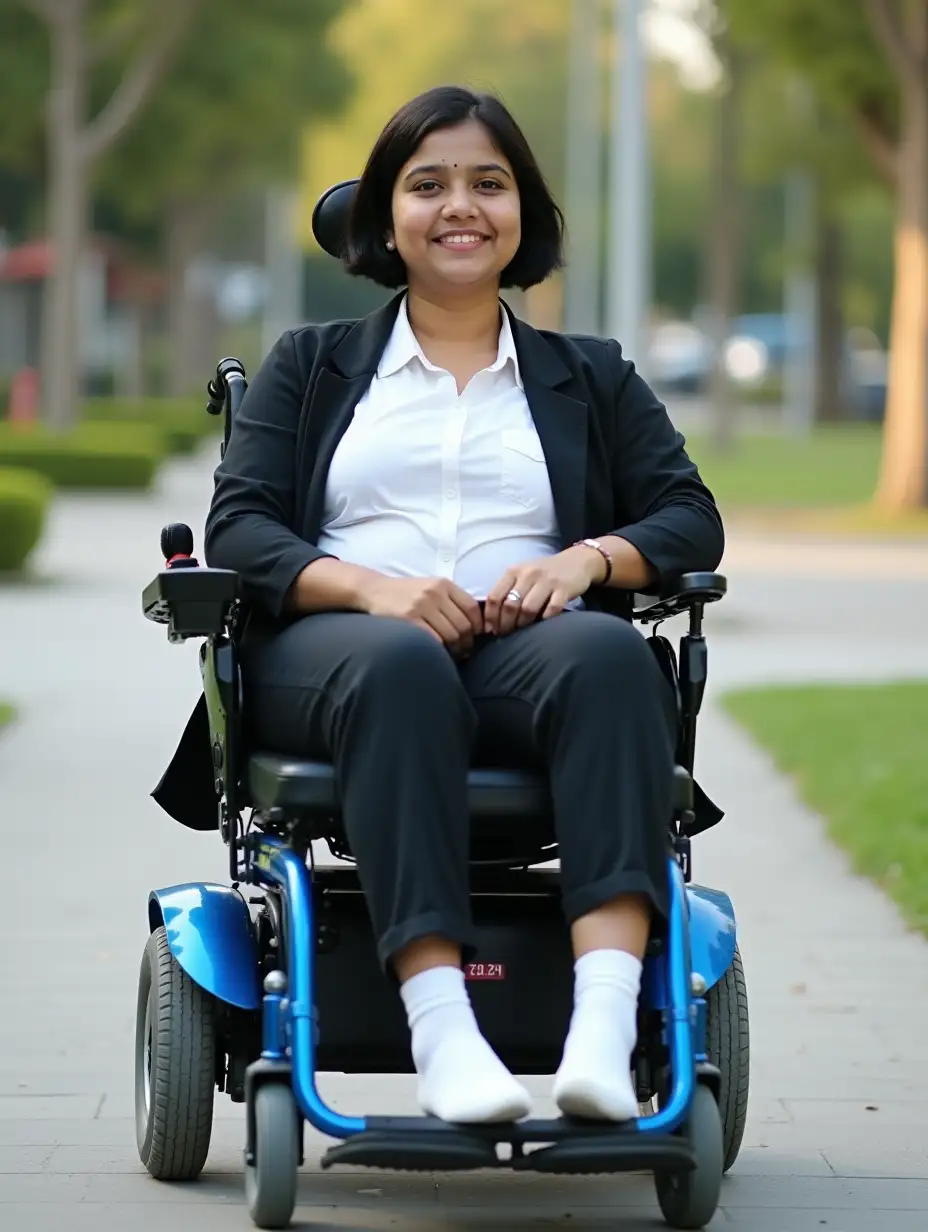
24 397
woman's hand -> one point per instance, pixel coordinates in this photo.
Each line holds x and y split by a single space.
542 588
434 604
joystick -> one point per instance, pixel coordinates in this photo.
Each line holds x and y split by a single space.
177 547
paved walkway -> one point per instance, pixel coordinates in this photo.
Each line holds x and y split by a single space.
838 1131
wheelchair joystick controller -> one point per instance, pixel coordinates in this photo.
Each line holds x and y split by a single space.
177 547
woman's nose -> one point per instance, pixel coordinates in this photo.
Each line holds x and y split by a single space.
460 202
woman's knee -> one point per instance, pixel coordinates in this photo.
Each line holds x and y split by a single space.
395 654
605 661
601 647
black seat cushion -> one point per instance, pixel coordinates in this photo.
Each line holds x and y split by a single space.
308 788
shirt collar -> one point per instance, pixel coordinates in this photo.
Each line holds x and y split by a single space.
403 347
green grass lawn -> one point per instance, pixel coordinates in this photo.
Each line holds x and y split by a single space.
821 483
859 756
832 466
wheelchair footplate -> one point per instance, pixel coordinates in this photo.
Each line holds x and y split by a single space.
425 1144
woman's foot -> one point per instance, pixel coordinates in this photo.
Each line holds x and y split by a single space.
594 1078
461 1079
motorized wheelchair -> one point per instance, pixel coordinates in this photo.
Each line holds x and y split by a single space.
256 987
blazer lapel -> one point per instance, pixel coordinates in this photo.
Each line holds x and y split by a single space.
562 423
331 410
337 391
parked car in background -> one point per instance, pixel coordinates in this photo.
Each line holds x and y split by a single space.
679 358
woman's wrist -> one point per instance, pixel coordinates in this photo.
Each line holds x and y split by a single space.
630 570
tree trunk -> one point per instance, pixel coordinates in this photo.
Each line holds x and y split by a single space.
903 481
73 148
725 246
67 221
830 393
191 310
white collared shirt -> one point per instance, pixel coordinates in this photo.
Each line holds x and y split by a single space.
427 482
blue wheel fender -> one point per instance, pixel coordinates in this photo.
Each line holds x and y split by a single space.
209 931
712 932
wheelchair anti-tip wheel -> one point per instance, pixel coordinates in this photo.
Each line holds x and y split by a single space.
270 1180
729 1048
175 1066
689 1199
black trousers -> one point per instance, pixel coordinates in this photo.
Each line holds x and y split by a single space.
402 721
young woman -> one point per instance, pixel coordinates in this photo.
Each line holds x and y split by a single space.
440 514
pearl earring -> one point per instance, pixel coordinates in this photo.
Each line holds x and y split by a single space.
390 245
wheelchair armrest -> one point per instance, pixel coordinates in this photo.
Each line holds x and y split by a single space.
679 596
193 602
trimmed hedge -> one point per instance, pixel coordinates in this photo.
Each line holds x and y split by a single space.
183 422
92 455
24 501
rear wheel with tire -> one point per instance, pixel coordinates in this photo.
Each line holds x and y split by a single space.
690 1199
270 1179
729 1048
175 1066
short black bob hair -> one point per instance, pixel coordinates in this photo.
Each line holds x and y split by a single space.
366 255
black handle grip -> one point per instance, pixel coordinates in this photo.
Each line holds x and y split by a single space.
176 540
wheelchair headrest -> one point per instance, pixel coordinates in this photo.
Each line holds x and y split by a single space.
330 217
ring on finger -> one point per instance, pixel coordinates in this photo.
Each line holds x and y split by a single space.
514 597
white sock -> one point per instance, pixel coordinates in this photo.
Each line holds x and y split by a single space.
461 1079
594 1078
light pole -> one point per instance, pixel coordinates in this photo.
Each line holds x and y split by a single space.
584 172
629 255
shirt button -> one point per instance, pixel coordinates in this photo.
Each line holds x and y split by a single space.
446 555
450 493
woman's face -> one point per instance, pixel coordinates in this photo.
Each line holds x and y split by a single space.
456 211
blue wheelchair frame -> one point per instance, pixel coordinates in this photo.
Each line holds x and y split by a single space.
209 933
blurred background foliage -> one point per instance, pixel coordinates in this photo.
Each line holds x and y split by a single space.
197 238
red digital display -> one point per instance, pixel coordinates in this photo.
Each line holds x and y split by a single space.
485 971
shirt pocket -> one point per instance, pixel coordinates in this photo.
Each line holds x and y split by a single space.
524 474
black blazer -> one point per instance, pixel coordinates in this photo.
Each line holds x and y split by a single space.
616 464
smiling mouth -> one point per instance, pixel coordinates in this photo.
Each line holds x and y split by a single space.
461 242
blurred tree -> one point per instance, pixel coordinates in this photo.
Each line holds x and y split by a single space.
869 59
23 83
231 112
681 147
726 231
83 35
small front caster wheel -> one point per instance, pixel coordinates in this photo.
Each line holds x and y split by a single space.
270 1180
690 1199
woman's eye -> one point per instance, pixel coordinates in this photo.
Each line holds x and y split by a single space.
489 184
427 185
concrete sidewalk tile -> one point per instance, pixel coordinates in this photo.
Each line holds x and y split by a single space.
869 1117
50 1107
756 1160
824 1219
839 1193
27 1131
879 1161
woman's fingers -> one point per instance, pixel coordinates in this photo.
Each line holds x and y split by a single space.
556 604
493 609
534 602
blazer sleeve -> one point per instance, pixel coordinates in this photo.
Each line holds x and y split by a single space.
250 525
672 518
